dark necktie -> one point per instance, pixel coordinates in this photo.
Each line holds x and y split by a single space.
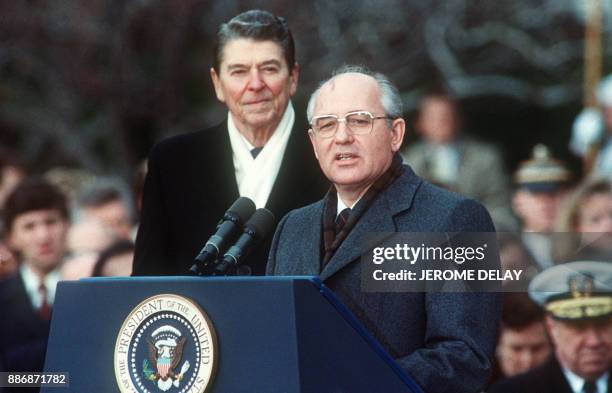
342 219
255 151
44 311
589 387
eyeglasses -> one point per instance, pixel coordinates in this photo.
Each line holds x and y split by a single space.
359 123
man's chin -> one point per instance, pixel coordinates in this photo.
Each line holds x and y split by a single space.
349 182
260 117
47 263
594 369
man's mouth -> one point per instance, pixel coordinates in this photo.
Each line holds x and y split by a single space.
255 102
344 156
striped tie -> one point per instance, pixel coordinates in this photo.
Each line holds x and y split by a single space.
342 219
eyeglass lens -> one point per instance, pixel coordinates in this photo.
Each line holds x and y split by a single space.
359 123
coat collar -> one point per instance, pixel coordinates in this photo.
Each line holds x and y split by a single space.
294 173
221 176
378 219
298 168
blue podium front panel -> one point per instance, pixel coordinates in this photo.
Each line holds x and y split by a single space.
273 334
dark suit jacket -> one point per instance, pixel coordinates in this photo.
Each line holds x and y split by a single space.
443 340
480 175
23 335
190 184
548 378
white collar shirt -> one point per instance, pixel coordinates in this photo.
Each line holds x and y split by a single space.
341 205
577 383
31 282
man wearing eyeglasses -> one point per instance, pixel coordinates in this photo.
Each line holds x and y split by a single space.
443 340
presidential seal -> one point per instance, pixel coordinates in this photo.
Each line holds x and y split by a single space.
166 344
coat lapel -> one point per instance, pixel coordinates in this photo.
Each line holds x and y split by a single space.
312 239
221 176
379 218
297 173
556 378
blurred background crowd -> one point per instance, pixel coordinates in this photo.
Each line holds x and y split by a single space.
507 102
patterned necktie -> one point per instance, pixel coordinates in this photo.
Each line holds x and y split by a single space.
342 219
589 387
255 151
44 311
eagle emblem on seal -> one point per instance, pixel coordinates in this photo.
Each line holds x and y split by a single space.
165 353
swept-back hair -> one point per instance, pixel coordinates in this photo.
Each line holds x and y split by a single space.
258 25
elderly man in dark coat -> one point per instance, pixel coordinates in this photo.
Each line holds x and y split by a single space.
443 340
260 152
577 297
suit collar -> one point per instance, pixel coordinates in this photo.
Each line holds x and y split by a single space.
378 220
310 264
13 294
291 177
576 382
222 177
553 372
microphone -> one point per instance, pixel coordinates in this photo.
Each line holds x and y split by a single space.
232 221
255 230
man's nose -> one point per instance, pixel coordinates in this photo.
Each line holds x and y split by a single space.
255 80
42 232
593 337
343 133
527 358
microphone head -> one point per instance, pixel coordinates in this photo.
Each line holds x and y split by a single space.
262 222
242 209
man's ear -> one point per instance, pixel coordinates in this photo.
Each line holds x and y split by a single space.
550 328
312 136
10 241
294 75
398 130
217 84
13 241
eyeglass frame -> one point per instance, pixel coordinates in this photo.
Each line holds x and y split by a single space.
343 120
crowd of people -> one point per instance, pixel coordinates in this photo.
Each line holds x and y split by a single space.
68 224
48 236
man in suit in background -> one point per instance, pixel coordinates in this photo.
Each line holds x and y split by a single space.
261 152
36 217
448 157
444 341
523 343
577 297
541 186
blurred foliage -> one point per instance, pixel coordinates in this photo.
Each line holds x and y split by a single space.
96 83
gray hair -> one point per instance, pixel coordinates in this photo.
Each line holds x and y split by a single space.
389 94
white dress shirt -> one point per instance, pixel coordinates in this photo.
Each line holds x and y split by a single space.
577 383
341 205
32 283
